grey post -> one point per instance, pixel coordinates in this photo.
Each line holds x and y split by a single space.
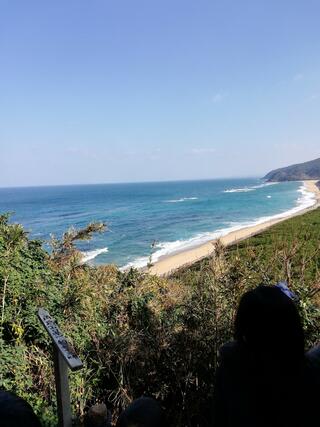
64 358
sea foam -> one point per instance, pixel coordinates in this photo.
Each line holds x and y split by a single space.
252 188
182 199
239 190
90 255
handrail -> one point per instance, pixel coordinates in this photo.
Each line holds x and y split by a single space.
64 358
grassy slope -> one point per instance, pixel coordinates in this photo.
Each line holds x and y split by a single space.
305 228
301 233
290 248
287 251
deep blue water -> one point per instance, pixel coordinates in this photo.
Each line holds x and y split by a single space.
175 214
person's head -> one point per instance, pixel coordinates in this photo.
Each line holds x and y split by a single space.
16 412
269 324
142 412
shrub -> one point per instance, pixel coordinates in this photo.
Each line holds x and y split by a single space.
138 333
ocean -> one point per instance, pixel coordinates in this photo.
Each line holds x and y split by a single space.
174 215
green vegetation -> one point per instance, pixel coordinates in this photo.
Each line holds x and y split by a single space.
138 333
301 171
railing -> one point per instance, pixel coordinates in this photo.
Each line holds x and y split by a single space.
64 358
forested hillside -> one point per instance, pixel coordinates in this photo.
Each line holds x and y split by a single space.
298 172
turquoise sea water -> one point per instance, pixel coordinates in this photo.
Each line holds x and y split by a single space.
178 215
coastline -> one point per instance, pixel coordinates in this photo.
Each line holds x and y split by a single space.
168 264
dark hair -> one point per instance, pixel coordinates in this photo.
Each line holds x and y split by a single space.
16 412
269 325
142 412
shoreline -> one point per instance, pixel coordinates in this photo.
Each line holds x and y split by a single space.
170 263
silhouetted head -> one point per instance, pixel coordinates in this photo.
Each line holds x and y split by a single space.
16 412
269 325
142 412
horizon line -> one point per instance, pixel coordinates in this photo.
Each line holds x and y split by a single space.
130 182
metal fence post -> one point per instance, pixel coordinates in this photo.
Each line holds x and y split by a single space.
64 358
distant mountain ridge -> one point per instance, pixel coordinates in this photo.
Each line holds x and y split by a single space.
298 172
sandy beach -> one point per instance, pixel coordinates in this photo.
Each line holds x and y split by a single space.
171 263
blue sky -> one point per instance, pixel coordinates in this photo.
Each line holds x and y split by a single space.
124 90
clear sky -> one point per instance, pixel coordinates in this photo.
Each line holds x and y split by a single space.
130 90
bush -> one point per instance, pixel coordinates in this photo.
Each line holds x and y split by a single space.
138 333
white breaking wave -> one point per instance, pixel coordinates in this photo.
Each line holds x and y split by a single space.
253 188
306 200
137 263
183 199
90 255
239 190
169 248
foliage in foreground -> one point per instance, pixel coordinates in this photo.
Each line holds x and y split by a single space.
138 333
